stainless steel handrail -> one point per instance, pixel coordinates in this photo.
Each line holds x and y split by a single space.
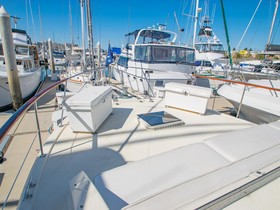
237 82
23 109
246 85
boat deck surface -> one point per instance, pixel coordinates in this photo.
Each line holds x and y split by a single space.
24 147
121 139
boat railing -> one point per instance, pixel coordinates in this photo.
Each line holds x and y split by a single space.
17 116
145 75
246 86
258 75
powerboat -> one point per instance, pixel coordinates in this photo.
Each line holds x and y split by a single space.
29 70
151 59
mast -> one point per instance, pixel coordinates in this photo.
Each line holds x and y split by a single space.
71 25
273 21
90 35
227 36
83 33
195 22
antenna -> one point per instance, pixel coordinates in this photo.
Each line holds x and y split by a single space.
15 20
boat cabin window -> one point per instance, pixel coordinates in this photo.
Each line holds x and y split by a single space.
216 48
171 54
2 60
203 63
19 62
58 55
1 50
209 47
142 53
168 54
123 61
21 50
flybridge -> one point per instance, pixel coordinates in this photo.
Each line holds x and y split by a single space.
152 35
20 37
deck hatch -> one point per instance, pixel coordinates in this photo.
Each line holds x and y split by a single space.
159 119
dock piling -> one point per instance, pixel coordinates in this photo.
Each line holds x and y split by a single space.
10 58
52 67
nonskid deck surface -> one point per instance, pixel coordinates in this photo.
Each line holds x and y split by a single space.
120 140
24 140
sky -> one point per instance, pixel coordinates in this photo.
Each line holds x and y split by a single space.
44 19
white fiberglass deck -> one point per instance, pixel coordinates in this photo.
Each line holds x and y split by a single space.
123 141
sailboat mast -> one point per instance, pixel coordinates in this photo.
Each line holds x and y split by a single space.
227 36
71 25
273 21
83 33
90 34
195 22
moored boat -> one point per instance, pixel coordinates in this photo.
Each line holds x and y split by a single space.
29 71
152 59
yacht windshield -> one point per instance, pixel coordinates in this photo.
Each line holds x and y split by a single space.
150 36
167 54
58 55
209 47
21 50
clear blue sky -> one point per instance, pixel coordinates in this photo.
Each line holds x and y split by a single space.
113 19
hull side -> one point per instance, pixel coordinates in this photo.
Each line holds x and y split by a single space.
29 82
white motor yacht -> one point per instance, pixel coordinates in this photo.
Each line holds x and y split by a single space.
29 71
153 58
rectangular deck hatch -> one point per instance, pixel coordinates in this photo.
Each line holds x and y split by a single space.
159 119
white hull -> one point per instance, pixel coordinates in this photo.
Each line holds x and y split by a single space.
255 115
210 56
256 107
29 82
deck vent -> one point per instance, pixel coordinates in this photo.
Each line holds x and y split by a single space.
159 120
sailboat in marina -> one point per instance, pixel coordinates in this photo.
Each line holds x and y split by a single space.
105 151
82 61
207 44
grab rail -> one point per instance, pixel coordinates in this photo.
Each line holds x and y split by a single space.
246 84
237 82
22 110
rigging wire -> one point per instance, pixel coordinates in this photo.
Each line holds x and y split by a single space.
26 9
257 29
41 25
189 22
32 19
277 30
248 25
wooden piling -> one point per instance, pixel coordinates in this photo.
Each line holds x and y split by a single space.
52 67
10 58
